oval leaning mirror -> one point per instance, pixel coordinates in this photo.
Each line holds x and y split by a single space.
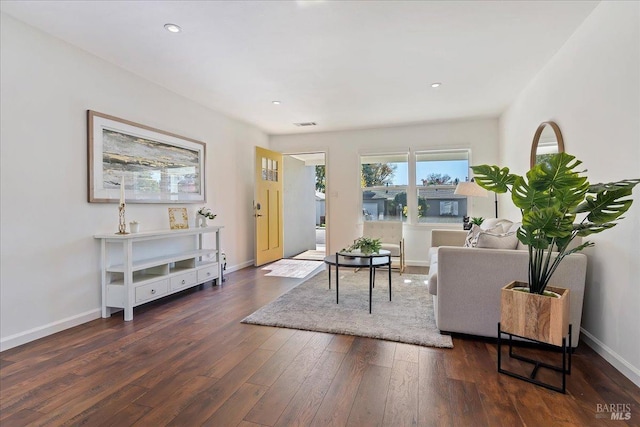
547 140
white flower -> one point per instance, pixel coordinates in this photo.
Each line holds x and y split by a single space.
206 212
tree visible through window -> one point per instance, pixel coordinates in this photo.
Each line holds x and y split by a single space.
437 174
383 179
376 174
320 178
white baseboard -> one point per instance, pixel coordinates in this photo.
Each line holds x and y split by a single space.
411 263
414 263
618 362
240 266
49 329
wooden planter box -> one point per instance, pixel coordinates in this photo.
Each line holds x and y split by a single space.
534 316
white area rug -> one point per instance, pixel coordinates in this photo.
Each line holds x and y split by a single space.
294 268
408 318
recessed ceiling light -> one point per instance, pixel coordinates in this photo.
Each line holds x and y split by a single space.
172 28
436 84
275 102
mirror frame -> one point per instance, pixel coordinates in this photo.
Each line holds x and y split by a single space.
536 139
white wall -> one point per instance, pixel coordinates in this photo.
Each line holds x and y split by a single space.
299 186
49 259
343 170
591 88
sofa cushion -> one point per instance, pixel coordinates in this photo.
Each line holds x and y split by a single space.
497 241
448 237
492 223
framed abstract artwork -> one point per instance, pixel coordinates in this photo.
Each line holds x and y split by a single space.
157 166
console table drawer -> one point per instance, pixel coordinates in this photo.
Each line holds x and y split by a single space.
208 273
184 280
152 290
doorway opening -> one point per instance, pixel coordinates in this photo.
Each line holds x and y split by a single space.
305 210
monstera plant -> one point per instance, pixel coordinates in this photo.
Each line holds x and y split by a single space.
558 204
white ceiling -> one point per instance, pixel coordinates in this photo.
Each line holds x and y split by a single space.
342 64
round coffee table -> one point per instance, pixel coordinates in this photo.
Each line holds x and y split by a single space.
359 260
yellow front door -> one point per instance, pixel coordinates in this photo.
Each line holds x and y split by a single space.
267 206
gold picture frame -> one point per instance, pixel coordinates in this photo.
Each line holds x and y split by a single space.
178 218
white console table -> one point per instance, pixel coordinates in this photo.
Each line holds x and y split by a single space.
140 267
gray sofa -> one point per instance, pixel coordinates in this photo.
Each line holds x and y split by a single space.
465 283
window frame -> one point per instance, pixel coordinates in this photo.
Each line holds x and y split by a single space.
412 187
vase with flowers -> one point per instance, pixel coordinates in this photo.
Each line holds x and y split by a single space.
203 214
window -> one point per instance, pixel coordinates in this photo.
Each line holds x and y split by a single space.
390 192
437 174
269 169
384 179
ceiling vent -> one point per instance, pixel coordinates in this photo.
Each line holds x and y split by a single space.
305 124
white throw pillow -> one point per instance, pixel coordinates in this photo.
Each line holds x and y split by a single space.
497 241
491 224
471 240
514 227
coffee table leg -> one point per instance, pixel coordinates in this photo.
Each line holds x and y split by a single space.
371 273
329 265
374 277
389 277
337 277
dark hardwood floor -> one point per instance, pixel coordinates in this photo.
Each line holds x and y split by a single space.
188 361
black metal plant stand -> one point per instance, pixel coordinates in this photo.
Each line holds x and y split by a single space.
564 369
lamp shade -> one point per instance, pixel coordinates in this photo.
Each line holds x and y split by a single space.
470 189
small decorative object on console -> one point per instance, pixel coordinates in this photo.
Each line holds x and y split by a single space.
178 219
204 214
122 228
